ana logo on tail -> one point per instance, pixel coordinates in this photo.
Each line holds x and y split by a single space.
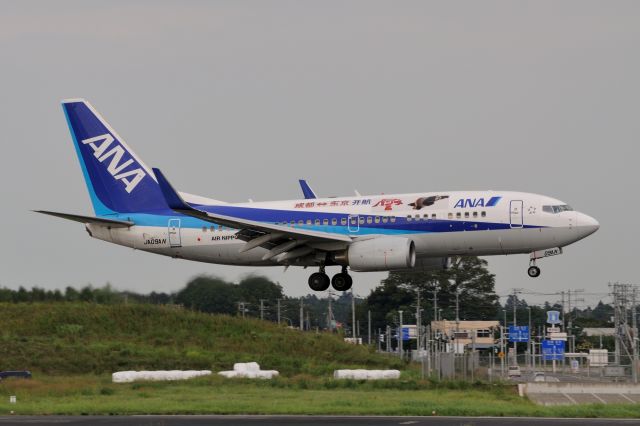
101 151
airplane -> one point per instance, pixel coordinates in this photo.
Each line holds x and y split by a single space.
136 206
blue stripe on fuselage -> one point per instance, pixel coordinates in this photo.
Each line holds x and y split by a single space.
272 216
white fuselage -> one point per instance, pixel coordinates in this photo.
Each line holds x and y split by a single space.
440 224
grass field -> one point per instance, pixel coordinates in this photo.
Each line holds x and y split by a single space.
83 338
297 395
73 348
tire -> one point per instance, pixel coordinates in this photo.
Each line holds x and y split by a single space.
319 281
533 271
341 282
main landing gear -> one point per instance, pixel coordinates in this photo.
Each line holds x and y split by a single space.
319 281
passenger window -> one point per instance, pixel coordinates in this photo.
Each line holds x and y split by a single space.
352 220
377 219
385 219
300 222
393 219
475 214
343 221
426 216
204 229
458 215
417 217
466 214
433 216
450 215
361 220
369 219
317 221
483 214
334 221
293 223
409 218
213 228
325 221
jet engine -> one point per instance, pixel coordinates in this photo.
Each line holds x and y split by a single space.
379 254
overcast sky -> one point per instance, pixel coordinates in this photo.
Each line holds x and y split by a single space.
239 99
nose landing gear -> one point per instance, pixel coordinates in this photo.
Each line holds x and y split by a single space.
533 271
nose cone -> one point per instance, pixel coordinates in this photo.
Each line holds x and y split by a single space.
586 225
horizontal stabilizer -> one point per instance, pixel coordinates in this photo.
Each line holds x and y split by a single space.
89 219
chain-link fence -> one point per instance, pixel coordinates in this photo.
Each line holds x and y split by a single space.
600 366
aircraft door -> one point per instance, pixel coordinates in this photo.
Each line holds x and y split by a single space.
174 233
353 223
516 215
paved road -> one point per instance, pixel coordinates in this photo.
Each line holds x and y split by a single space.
301 420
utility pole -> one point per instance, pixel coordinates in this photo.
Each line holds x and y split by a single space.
330 313
353 313
278 300
400 342
562 310
572 338
308 323
435 302
301 314
262 309
418 322
529 343
634 339
457 310
369 327
515 323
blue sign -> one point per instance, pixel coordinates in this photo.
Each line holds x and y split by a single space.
553 317
518 333
405 333
553 350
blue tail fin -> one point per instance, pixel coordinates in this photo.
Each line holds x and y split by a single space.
118 182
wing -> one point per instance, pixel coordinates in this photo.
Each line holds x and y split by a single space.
295 242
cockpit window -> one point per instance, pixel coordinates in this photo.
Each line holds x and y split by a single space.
557 209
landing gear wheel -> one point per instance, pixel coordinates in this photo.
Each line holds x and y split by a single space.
533 271
319 281
342 281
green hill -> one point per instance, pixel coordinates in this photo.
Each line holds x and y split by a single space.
79 338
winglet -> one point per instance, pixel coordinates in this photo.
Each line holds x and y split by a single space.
306 190
171 196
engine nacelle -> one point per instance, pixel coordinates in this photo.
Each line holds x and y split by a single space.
424 264
381 254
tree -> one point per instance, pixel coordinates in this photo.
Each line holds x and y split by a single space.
209 294
467 275
256 287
